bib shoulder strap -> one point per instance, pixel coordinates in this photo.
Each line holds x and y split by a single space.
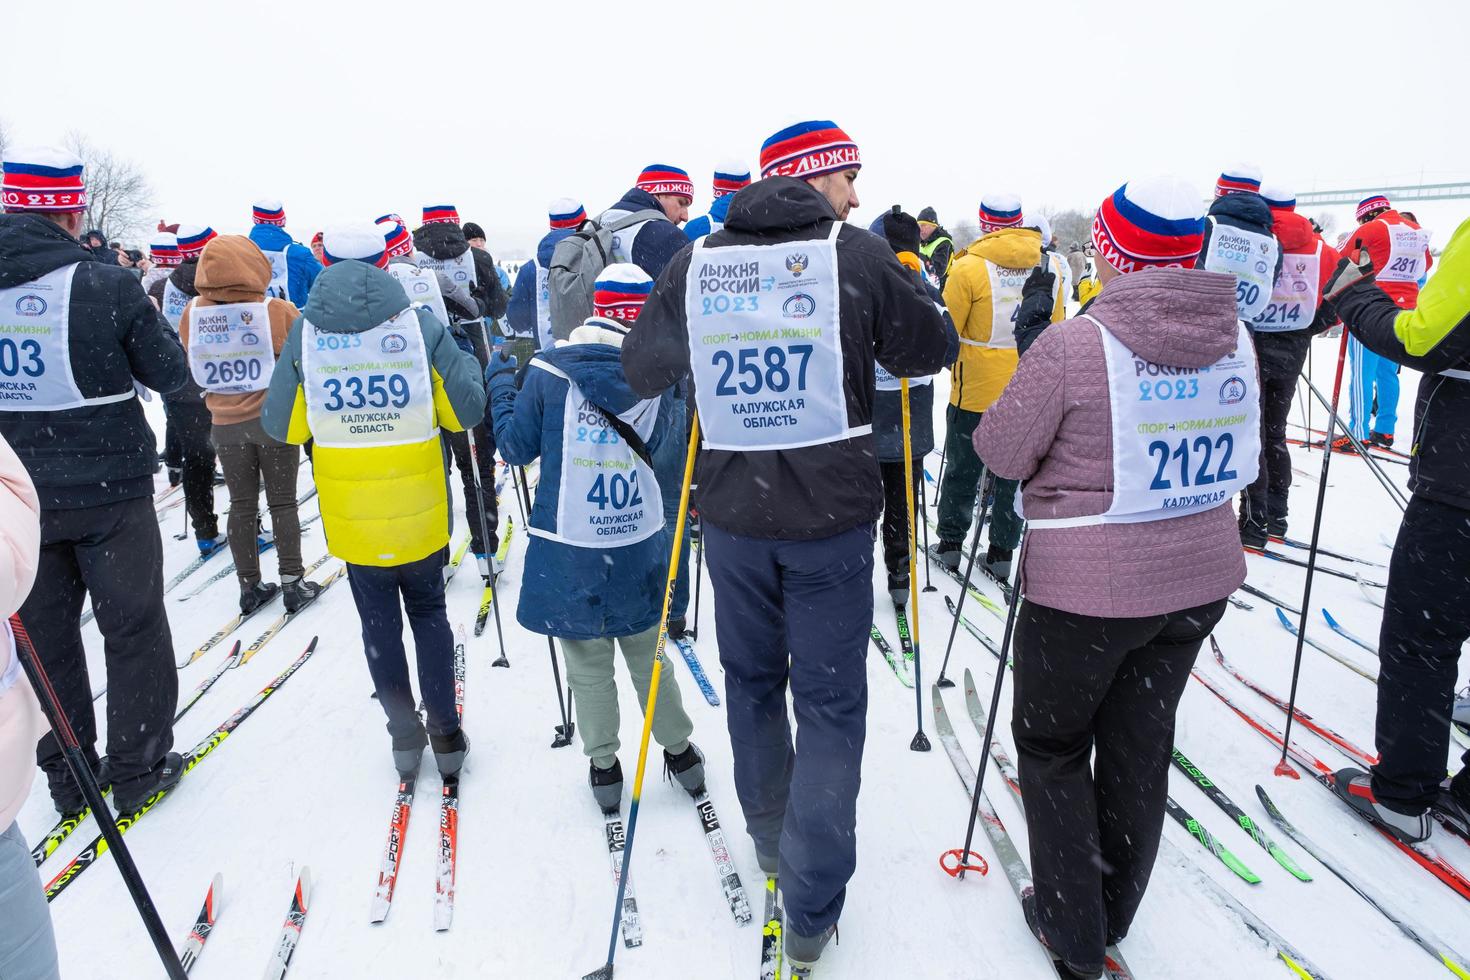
634 440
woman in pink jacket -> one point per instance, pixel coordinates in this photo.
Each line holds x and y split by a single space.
1132 426
27 945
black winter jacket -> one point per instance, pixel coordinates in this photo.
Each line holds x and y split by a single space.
1246 211
97 454
442 240
188 394
817 491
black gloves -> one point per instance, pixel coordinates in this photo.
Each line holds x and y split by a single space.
1038 298
1349 272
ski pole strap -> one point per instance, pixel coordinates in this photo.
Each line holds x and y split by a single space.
955 861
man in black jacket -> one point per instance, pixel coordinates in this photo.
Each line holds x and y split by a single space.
84 331
780 342
937 245
472 294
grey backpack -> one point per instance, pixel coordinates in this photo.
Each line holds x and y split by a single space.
575 265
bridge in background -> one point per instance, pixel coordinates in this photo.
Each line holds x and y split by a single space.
1407 192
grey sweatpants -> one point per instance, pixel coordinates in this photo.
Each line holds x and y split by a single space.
27 944
590 673
249 457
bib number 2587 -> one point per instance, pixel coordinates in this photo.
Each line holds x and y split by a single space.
1195 456
761 369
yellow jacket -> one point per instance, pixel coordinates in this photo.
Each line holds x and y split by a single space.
983 294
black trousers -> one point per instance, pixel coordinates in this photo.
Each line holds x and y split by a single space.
1280 357
896 512
1426 620
459 446
115 553
1086 684
190 428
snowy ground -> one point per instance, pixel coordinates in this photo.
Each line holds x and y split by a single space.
308 781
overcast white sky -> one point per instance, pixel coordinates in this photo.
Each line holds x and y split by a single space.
347 110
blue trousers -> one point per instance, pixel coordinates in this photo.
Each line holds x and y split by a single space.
797 614
376 591
1371 376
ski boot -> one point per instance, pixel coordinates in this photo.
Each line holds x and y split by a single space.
607 786
687 768
408 752
449 752
678 627
488 564
252 597
297 592
997 564
1382 439
1065 968
1452 807
209 545
1253 534
898 586
1344 444
802 952
133 796
66 793
947 553
1356 788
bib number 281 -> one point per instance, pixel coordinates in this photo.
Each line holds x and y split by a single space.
1195 456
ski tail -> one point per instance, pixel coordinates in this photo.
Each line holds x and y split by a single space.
393 850
1209 841
285 948
203 924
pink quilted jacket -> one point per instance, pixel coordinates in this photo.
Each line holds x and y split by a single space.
1052 428
21 721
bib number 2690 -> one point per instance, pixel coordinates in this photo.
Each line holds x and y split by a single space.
1194 456
761 369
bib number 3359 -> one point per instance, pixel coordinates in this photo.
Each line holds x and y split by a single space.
377 390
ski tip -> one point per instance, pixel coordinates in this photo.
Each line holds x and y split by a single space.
603 972
969 681
1282 616
310 647
1328 616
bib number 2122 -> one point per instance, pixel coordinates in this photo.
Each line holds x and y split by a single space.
1195 456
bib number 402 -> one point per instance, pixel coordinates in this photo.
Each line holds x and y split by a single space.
1194 456
761 369
617 490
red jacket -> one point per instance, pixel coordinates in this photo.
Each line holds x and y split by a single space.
1402 270
1297 238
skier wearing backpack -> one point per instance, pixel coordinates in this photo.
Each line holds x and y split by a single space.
529 311
654 238
596 565
729 178
789 489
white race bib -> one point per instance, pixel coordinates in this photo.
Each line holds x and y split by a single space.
1005 303
371 388
609 496
544 339
1406 245
280 276
1184 440
765 345
230 351
35 347
420 287
622 241
1250 258
174 301
1293 303
457 276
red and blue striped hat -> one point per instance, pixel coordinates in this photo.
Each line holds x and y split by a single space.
1279 197
1155 223
193 238
365 243
730 177
1368 205
1240 177
566 213
268 211
999 211
660 178
808 149
620 292
42 178
435 214
395 234
163 249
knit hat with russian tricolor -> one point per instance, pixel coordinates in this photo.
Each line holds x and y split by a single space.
999 211
268 211
42 178
163 249
620 292
363 242
1279 197
1369 205
566 213
441 214
192 239
395 234
808 149
1237 178
1157 222
661 178
730 177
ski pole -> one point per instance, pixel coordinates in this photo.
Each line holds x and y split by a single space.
924 513
605 971
698 581
965 585
1000 674
939 483
1283 768
920 742
565 729
526 491
502 660
515 485
1373 464
82 772
1310 345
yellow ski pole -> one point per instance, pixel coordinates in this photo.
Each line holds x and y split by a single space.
605 971
920 742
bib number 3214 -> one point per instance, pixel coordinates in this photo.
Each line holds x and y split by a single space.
1192 457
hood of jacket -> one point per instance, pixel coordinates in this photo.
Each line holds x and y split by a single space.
1293 231
1248 211
440 240
596 368
184 275
1010 248
637 199
547 245
1176 317
777 204
352 296
31 246
233 270
271 238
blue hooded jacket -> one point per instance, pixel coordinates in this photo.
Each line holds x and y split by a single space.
302 268
658 241
567 591
522 310
703 225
